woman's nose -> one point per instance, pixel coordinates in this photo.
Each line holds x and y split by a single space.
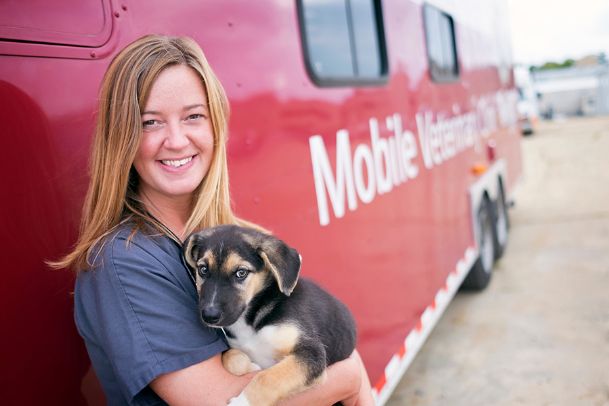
177 137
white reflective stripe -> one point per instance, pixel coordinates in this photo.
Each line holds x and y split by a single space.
399 362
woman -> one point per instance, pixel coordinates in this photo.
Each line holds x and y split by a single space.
159 172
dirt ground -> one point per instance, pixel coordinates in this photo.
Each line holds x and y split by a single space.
539 335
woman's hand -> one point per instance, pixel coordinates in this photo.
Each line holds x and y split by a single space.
364 396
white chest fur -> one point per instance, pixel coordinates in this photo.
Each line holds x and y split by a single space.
266 346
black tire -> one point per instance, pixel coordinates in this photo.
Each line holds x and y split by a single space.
480 274
502 222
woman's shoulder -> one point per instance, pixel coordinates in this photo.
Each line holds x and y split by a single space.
129 240
117 242
136 257
130 256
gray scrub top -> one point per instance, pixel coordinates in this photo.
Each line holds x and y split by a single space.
137 313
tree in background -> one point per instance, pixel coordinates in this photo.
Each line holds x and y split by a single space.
554 65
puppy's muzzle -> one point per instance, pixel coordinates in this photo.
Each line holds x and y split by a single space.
211 315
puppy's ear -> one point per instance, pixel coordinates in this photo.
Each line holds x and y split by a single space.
282 260
191 251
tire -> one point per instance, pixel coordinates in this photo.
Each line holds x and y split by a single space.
480 274
502 222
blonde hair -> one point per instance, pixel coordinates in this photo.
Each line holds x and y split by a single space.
112 194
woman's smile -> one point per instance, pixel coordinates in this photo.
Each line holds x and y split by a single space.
177 163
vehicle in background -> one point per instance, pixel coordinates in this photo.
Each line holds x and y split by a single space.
378 138
528 104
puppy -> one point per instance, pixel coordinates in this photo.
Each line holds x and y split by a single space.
248 285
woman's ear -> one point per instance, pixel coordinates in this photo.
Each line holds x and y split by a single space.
282 261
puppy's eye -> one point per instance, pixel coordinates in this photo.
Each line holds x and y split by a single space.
203 270
241 274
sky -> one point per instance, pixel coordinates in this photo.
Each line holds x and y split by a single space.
554 30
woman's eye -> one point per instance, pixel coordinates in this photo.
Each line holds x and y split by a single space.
194 117
150 123
241 273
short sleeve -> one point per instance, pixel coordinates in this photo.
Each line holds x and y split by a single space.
139 319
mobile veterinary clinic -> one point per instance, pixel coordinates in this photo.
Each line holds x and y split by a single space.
379 138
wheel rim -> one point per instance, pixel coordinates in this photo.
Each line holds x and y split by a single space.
486 242
501 227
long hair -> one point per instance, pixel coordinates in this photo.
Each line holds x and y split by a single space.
112 195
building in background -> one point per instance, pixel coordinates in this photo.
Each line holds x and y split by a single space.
579 90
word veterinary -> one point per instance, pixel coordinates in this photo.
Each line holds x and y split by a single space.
391 161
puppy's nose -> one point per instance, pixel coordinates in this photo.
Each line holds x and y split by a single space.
211 315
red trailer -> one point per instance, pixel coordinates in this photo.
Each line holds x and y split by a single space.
378 138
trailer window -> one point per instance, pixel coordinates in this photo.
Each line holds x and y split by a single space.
441 45
82 23
343 41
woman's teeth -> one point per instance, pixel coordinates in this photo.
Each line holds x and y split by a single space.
176 163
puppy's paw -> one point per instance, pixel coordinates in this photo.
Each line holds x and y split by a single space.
240 400
238 363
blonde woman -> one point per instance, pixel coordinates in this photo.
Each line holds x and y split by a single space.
159 172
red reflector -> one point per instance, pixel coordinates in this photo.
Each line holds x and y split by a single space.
491 150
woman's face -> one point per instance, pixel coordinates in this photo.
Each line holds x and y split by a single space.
177 140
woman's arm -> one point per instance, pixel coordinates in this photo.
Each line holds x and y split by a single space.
205 383
208 383
347 382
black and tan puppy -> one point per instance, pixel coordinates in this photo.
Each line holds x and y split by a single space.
248 284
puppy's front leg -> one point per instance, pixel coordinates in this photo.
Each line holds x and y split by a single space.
238 363
289 376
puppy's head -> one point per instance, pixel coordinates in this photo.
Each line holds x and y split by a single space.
232 265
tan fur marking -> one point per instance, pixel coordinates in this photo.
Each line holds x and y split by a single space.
237 362
277 382
254 284
208 257
233 261
285 339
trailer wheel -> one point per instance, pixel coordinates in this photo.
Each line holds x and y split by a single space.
502 222
480 274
